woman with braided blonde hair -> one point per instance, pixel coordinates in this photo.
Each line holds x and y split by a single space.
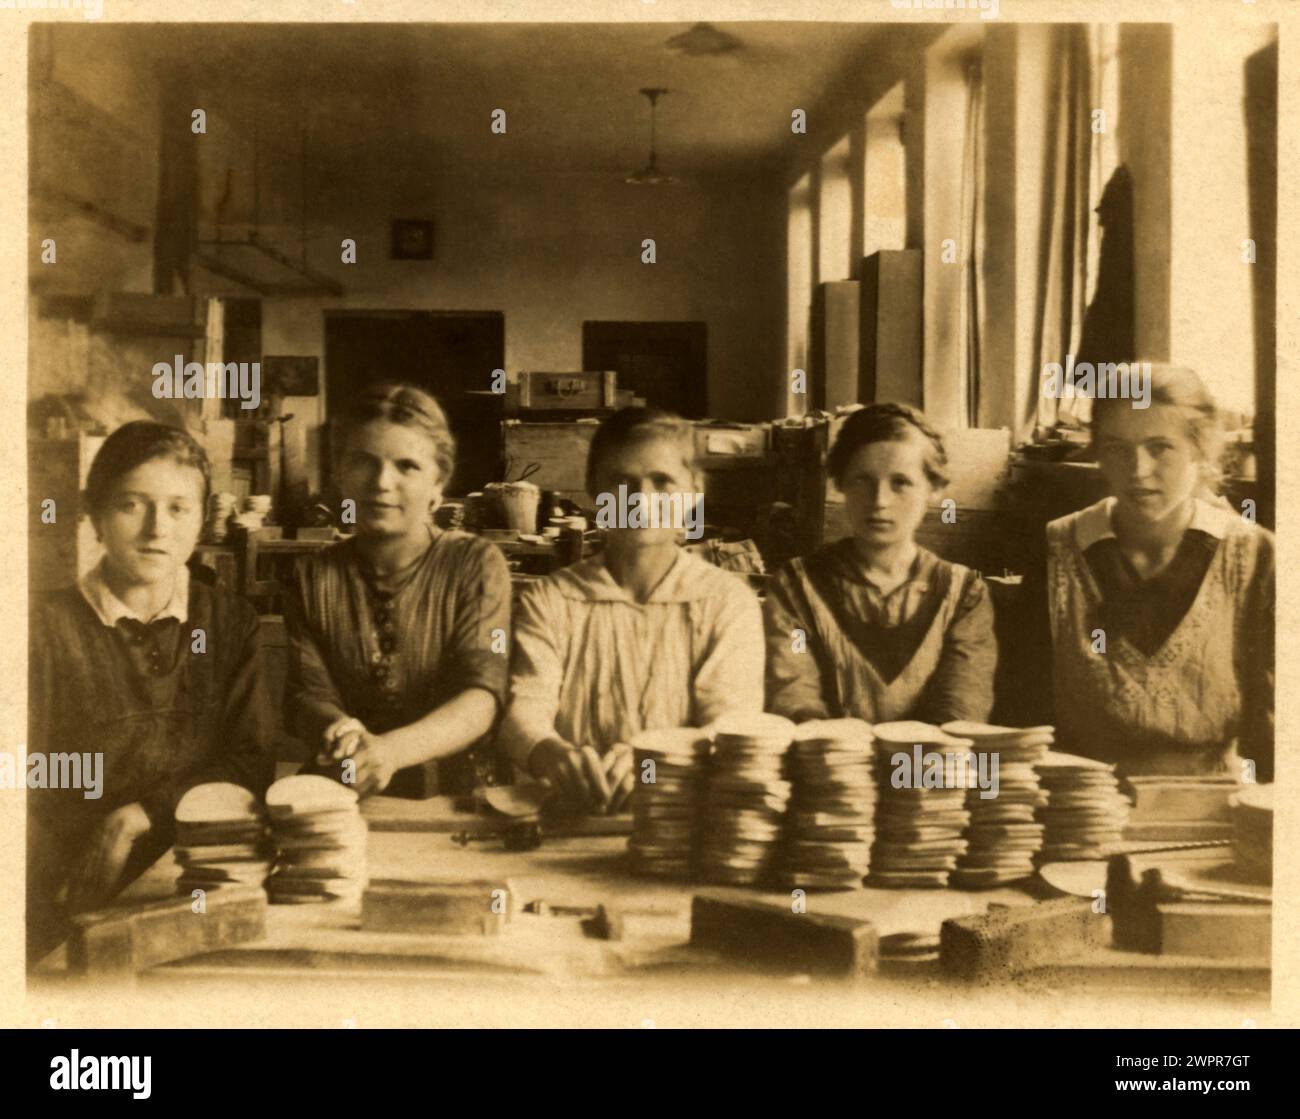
875 626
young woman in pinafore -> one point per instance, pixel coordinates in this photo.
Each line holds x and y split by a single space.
1160 599
875 626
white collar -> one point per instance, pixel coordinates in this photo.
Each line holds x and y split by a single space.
1094 523
688 580
110 609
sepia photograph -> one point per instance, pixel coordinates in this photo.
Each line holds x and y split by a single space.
646 516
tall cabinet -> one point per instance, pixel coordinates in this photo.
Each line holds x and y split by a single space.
60 545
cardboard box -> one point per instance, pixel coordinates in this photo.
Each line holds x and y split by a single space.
564 391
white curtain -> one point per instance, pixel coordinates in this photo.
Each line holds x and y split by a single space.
1081 156
1065 214
1103 159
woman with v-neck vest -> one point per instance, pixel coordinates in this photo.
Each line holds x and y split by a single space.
875 626
1161 597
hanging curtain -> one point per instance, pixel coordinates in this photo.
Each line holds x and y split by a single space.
1109 325
1108 329
1064 219
972 239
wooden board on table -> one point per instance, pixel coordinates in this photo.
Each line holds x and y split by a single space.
440 814
1176 831
134 937
573 872
537 946
1187 800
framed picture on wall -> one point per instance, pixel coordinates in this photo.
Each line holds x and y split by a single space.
412 239
288 375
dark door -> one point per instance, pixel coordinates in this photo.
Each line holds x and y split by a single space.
665 362
450 354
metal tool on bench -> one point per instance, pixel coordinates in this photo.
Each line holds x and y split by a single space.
520 807
1188 906
604 921
523 820
517 835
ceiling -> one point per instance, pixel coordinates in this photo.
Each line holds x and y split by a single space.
427 91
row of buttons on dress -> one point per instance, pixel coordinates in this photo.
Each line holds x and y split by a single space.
138 633
382 661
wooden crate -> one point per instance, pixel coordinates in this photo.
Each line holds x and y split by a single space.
558 449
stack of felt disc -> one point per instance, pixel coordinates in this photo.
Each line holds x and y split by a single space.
670 773
320 841
830 824
921 814
1004 834
220 838
741 817
908 950
1085 813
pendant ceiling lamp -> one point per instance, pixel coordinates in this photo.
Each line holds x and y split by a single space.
650 175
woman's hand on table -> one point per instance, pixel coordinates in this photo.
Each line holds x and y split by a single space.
576 775
620 774
366 761
341 739
102 863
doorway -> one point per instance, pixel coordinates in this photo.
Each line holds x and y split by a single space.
449 354
665 362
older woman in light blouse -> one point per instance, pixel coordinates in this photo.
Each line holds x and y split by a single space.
643 636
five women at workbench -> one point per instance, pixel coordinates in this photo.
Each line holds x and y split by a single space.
403 652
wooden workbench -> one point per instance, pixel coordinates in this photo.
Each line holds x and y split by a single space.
324 947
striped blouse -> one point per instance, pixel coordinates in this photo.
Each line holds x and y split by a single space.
444 630
593 666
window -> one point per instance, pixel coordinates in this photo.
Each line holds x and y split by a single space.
799 274
835 215
884 184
